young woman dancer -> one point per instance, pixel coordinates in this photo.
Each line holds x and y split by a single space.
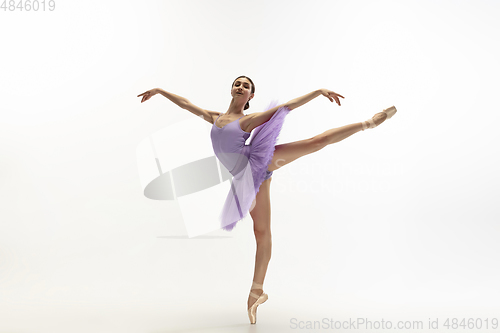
252 165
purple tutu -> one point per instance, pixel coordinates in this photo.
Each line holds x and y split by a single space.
247 163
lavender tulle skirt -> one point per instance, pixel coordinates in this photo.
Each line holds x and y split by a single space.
247 163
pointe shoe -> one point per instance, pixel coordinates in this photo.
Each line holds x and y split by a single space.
371 124
252 311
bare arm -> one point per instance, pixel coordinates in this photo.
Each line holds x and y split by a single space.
180 101
295 103
259 118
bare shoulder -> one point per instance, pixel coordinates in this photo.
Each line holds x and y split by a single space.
246 122
213 115
207 115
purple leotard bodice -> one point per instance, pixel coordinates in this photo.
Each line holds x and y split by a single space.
248 164
229 145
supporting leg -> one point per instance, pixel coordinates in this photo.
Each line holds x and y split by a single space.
261 215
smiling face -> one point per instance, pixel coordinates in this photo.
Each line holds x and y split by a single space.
242 88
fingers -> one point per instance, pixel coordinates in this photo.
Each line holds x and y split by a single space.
336 96
145 95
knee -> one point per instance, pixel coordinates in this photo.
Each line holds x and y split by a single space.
262 235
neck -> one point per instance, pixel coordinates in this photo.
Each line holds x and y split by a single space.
236 107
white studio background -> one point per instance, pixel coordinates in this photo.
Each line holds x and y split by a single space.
397 222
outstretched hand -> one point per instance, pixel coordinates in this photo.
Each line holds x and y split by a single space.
331 95
148 94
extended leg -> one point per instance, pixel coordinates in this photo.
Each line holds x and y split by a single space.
288 152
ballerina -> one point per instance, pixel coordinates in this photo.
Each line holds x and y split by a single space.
252 165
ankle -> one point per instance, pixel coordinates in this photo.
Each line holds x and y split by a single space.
256 285
368 124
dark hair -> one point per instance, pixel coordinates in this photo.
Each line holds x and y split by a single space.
253 88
